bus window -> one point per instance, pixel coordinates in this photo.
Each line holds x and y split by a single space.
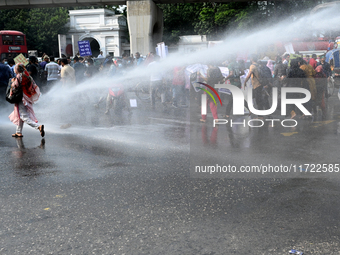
19 40
7 40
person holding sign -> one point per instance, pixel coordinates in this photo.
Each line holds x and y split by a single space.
23 111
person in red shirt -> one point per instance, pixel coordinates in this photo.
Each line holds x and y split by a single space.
313 62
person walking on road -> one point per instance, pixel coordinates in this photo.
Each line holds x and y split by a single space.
214 76
23 111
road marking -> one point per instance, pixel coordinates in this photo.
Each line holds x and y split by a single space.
289 134
170 120
322 123
47 209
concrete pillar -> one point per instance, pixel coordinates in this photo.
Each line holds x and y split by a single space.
145 21
75 48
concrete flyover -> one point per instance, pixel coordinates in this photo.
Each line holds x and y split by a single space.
145 19
14 4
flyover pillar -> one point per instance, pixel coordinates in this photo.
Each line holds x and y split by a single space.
145 21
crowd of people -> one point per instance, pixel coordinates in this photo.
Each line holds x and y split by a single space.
299 72
172 86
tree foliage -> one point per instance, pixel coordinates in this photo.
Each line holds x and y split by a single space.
41 26
217 19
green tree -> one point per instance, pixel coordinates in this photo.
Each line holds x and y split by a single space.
41 26
45 25
179 19
217 19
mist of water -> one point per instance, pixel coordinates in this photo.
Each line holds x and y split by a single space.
70 105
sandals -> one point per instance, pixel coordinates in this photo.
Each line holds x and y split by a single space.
17 135
41 129
202 120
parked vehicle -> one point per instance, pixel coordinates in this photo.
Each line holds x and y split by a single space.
12 43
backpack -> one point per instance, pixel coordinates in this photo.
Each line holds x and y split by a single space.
237 73
41 73
265 75
17 93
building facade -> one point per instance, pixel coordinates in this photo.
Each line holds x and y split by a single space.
106 32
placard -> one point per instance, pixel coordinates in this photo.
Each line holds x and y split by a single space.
20 59
84 48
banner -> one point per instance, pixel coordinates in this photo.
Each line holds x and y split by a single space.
84 48
20 59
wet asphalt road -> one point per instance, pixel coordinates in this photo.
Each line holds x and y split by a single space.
128 188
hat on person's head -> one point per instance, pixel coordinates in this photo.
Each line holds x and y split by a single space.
322 56
46 57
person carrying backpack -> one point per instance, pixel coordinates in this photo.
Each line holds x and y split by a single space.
23 110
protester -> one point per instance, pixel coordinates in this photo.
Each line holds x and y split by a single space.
46 59
255 81
149 58
51 71
296 78
321 87
69 61
313 62
5 75
310 73
156 81
101 55
139 60
79 69
280 73
91 70
286 58
23 111
33 68
214 76
326 68
11 65
235 72
178 86
266 80
68 77
270 65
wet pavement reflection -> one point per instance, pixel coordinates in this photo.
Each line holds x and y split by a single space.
104 182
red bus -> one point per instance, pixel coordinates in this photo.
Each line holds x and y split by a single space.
12 43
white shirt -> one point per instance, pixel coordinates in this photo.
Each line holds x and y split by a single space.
100 56
156 75
52 70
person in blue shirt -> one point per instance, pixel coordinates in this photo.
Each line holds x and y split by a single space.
139 60
11 65
5 75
